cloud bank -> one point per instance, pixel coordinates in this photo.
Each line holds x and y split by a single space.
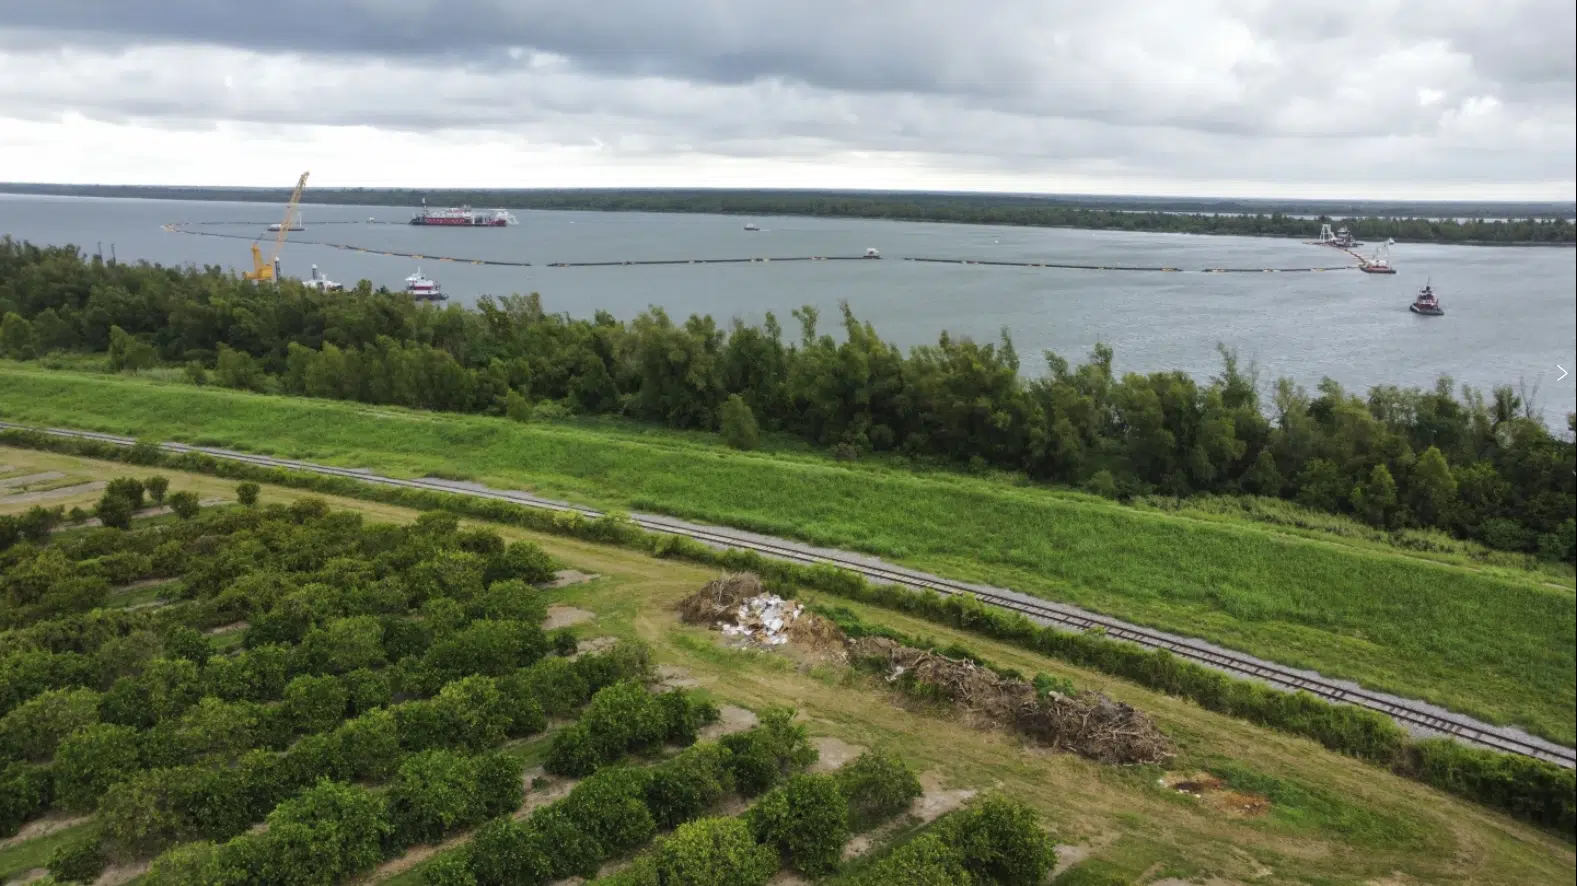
1382 98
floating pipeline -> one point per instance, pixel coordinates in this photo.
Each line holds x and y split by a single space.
184 228
1145 268
181 228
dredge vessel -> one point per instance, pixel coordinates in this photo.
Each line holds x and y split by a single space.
463 217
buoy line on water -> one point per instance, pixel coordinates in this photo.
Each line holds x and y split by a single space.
185 228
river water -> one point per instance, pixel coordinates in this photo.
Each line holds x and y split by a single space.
1511 312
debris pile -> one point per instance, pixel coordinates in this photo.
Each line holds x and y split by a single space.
736 605
719 599
1088 724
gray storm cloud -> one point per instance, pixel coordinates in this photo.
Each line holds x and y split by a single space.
1388 90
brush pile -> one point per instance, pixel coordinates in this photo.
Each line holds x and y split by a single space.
1088 724
737 606
719 599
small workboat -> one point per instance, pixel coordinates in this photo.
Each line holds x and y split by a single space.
870 252
752 226
422 288
1426 303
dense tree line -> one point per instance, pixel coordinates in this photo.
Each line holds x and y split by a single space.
1476 465
1418 222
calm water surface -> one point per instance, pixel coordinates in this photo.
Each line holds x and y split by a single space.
1511 312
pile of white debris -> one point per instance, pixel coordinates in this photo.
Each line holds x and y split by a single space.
764 619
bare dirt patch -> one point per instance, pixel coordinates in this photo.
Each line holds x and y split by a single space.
42 827
228 629
788 878
674 677
933 803
50 494
566 577
118 874
555 788
561 616
29 876
731 719
833 753
30 479
936 801
594 645
1213 792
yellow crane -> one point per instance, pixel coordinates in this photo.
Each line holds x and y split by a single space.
261 271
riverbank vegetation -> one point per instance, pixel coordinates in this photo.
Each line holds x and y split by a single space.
1476 464
1426 222
1318 817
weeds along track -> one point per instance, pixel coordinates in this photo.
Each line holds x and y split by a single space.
1417 716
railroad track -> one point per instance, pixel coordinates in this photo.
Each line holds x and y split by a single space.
1047 613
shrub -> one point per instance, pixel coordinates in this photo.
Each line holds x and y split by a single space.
924 861
713 852
610 807
315 704
367 689
562 843
572 753
91 759
185 504
35 727
624 717
688 785
450 869
807 820
129 488
114 511
1001 842
434 793
564 643
524 561
473 713
24 793
738 423
759 757
324 835
78 862
501 854
878 786
371 743
510 599
184 642
156 486
246 493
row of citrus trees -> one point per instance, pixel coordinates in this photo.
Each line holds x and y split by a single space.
381 668
1532 790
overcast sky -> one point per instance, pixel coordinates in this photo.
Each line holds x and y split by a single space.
1391 99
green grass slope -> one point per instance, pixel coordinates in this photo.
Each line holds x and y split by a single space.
1495 643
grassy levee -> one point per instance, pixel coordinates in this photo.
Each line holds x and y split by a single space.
1493 643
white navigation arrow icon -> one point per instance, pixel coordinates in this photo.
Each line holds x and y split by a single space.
1563 372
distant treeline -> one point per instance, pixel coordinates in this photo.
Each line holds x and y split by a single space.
1502 223
1479 466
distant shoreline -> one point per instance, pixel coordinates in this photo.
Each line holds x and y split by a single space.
1456 223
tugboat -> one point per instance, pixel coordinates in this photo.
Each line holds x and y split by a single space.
422 288
1426 303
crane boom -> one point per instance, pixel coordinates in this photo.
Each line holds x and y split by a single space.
260 270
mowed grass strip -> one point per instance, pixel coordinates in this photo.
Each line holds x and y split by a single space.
1492 644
